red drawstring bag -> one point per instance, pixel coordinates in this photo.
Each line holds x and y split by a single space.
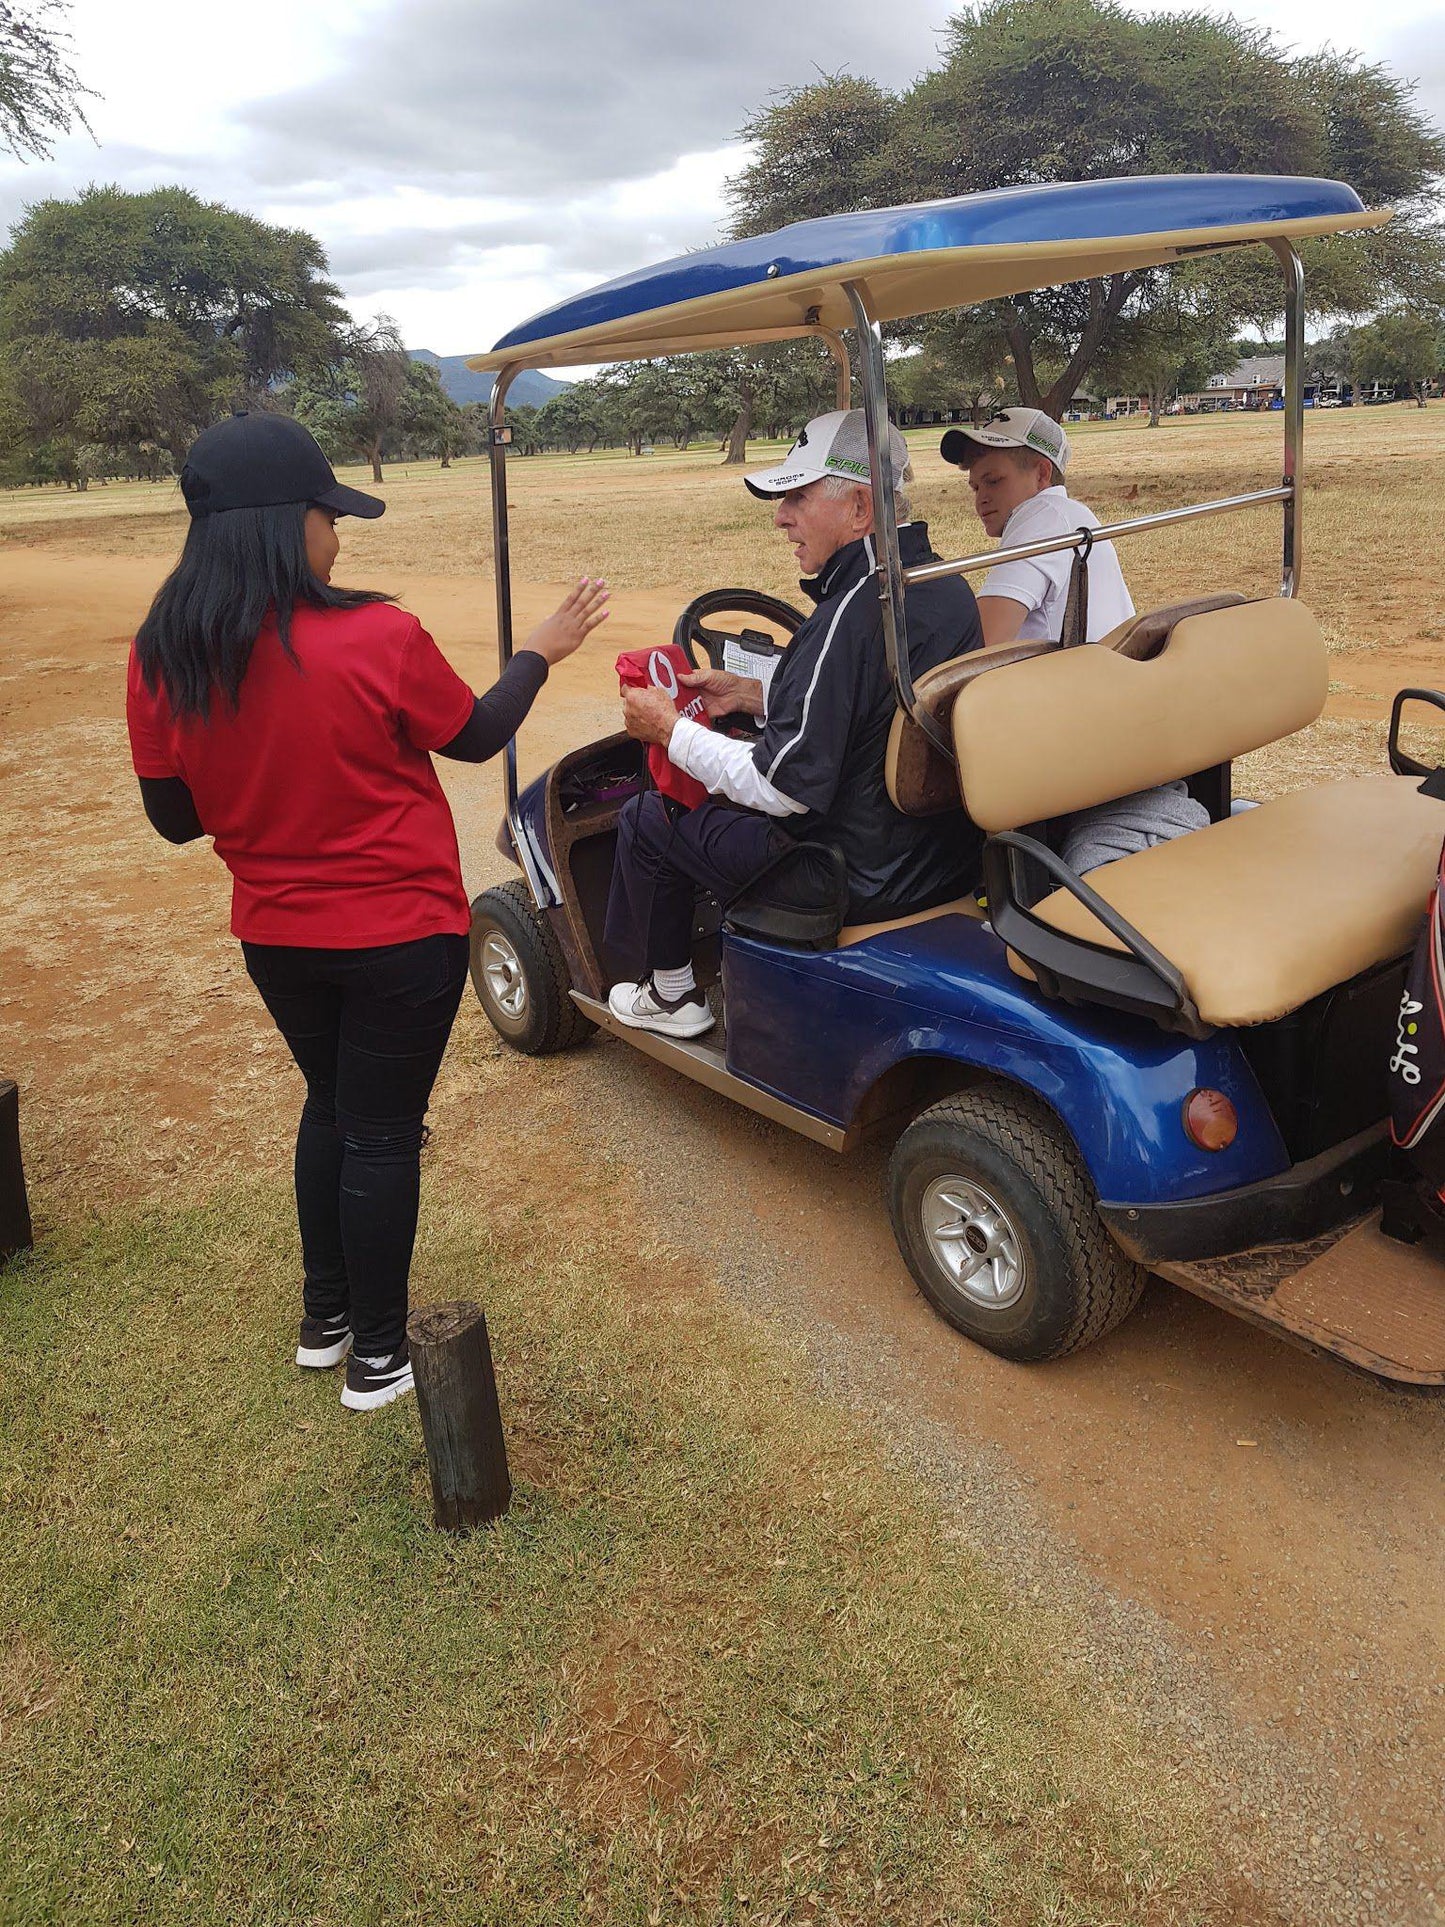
660 668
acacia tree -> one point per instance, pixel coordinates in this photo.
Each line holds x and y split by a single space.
1400 349
432 421
356 406
1064 90
572 420
774 387
40 92
140 318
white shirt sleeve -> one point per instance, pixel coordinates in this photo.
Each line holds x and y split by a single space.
724 765
1027 582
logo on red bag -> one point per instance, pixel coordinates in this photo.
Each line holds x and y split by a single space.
663 672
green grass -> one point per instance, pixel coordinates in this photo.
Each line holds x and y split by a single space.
720 1662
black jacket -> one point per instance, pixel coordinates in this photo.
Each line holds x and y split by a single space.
826 736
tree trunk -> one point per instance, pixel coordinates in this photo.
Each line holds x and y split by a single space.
1021 352
375 453
446 458
1156 404
1106 302
742 427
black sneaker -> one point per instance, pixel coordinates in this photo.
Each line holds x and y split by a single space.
376 1381
324 1341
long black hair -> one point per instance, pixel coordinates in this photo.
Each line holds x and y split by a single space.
237 568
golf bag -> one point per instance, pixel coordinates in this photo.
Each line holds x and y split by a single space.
1417 1062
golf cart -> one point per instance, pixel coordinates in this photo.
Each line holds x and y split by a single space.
1177 1065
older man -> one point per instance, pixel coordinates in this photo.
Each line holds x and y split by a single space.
816 773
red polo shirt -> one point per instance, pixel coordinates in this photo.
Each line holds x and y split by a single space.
318 789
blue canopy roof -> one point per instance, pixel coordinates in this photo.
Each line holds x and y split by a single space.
933 254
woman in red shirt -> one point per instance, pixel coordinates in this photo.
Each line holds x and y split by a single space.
293 723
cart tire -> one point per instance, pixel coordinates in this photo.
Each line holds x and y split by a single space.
520 975
997 1220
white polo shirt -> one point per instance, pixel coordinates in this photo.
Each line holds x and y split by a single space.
1042 585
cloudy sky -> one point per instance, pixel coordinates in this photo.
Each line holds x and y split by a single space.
466 162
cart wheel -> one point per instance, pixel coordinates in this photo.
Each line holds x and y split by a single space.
996 1219
520 975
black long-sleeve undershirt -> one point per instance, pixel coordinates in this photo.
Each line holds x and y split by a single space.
495 719
171 808
497 716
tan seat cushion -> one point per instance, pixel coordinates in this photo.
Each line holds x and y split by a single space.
1265 910
1143 635
1077 727
921 781
861 932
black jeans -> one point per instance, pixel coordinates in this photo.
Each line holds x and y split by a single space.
367 1029
665 855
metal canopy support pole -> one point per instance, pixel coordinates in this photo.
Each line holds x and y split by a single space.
1294 409
885 521
838 347
497 438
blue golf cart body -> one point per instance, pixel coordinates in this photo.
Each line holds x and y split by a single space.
928 1028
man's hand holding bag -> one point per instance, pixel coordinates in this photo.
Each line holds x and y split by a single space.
663 669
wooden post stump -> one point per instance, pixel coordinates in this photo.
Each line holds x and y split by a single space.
461 1421
15 1229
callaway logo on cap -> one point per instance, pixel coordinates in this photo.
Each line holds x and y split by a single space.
833 444
1009 428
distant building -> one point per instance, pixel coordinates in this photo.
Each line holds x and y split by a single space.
1257 382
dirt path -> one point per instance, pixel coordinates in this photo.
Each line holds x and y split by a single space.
1251 1539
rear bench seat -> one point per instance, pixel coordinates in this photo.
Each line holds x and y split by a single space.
921 781
1258 913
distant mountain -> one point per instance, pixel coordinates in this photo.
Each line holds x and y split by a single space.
464 384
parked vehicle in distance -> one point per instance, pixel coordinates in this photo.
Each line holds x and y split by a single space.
1176 1064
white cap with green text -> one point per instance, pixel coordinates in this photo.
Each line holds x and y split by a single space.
1011 428
832 444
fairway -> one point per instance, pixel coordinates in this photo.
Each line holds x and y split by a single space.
806 1611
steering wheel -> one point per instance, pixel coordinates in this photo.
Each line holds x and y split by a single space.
690 634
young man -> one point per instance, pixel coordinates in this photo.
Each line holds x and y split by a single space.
817 770
1016 464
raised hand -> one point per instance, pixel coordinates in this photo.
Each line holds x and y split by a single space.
569 626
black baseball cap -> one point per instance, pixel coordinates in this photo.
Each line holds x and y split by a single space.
262 461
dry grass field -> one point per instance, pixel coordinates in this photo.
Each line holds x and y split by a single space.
730 1659
679 522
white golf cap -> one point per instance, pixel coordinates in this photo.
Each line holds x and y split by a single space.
832 444
1027 428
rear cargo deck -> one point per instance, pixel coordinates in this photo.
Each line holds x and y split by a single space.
1356 1295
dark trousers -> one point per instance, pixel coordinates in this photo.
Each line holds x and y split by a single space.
665 855
367 1029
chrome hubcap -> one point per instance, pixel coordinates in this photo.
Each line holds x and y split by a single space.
502 974
973 1242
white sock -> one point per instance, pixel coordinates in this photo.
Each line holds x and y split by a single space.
674 984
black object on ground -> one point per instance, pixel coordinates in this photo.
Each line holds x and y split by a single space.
15 1229
461 1421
